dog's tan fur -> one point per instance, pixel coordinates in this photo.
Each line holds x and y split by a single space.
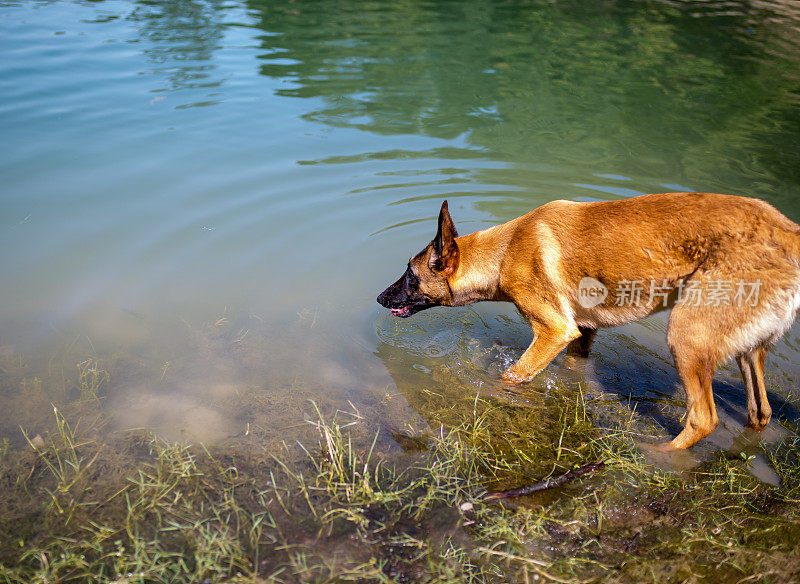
538 260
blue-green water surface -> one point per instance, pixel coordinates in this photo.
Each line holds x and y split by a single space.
255 172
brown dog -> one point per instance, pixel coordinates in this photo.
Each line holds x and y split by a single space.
729 267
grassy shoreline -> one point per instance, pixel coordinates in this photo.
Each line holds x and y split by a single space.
137 509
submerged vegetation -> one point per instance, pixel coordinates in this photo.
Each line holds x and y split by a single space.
342 495
351 506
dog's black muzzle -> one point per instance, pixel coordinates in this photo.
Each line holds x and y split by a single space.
398 300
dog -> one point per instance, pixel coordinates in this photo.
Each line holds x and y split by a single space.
728 267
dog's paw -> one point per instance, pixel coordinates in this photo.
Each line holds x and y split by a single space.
515 376
758 423
661 447
665 455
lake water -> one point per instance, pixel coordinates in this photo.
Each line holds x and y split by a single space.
202 198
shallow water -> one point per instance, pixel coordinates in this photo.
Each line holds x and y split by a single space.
206 196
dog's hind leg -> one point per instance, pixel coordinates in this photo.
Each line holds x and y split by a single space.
696 373
581 346
696 360
752 367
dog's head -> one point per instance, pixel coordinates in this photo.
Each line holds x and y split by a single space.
425 281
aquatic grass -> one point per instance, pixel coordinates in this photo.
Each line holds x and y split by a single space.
91 379
462 458
340 468
69 461
137 509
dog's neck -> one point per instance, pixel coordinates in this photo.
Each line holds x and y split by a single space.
477 276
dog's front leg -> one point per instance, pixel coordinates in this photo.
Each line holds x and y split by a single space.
549 340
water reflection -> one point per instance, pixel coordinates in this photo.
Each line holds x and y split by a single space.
685 90
180 40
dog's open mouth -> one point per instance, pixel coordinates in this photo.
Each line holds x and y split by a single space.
403 312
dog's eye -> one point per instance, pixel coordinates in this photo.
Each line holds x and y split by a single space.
412 281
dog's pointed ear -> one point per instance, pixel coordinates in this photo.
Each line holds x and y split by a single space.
445 249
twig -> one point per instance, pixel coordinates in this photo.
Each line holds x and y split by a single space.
632 540
546 484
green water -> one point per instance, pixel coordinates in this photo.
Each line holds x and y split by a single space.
206 196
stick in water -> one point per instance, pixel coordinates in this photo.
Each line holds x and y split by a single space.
547 483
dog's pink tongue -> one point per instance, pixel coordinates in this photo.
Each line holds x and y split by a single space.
399 311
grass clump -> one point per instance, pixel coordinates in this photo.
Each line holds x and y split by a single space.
351 507
345 512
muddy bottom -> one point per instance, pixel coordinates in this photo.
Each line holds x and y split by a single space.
215 451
